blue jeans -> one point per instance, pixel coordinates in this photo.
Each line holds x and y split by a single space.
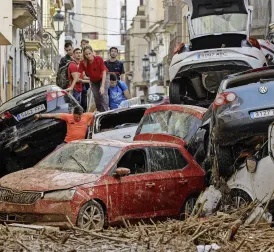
77 95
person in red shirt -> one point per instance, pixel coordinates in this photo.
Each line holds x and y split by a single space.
96 70
77 123
75 78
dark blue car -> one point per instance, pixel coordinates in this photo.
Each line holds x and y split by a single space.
242 111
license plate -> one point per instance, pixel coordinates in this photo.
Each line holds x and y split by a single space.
262 113
211 55
31 112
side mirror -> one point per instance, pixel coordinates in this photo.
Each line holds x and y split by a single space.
122 171
251 164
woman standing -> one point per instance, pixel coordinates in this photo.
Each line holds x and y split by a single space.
96 70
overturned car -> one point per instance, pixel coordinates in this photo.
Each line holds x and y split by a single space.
220 45
24 141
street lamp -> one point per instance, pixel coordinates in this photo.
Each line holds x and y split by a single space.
152 57
58 23
145 61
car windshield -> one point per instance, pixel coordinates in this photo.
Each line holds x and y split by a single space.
80 157
220 24
175 123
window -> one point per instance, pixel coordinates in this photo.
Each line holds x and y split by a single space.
143 23
80 157
135 160
175 123
165 159
91 35
118 120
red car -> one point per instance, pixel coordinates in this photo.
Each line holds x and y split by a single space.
170 123
96 183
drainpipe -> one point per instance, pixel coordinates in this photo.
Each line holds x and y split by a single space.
22 77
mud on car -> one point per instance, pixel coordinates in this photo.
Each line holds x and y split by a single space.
98 183
24 141
242 111
220 45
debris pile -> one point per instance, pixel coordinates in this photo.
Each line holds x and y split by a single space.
224 231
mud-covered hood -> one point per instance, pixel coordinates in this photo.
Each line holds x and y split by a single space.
37 179
203 8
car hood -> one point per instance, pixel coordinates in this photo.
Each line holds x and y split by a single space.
37 179
203 8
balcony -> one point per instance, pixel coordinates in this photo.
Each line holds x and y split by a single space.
68 4
33 34
170 16
24 13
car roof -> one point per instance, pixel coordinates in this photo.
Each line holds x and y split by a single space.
264 72
190 109
114 111
122 144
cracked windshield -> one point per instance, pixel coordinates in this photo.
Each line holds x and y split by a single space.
86 158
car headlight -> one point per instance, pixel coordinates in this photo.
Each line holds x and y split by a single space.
61 195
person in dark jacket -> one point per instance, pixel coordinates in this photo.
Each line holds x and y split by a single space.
69 50
114 65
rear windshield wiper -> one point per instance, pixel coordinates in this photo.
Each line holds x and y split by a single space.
266 80
25 98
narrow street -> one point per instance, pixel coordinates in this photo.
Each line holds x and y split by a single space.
137 125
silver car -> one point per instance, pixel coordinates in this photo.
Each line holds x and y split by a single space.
118 124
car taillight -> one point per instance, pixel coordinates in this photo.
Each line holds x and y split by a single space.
224 98
6 115
254 42
54 95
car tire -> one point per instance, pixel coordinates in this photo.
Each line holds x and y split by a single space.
239 198
225 160
188 207
174 93
91 216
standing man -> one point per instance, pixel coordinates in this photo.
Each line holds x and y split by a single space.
68 57
75 78
77 123
114 65
84 43
118 92
95 69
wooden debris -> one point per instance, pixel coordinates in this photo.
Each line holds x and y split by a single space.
224 229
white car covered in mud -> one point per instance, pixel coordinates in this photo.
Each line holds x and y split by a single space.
220 44
118 124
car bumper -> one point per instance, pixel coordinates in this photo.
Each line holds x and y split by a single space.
232 126
42 212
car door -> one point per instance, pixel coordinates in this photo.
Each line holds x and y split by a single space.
131 195
170 187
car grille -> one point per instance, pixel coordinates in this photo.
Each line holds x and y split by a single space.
7 195
15 217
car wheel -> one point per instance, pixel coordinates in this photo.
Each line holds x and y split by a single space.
91 216
239 198
188 207
225 160
174 93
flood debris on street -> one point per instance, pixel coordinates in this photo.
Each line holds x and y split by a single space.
223 232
